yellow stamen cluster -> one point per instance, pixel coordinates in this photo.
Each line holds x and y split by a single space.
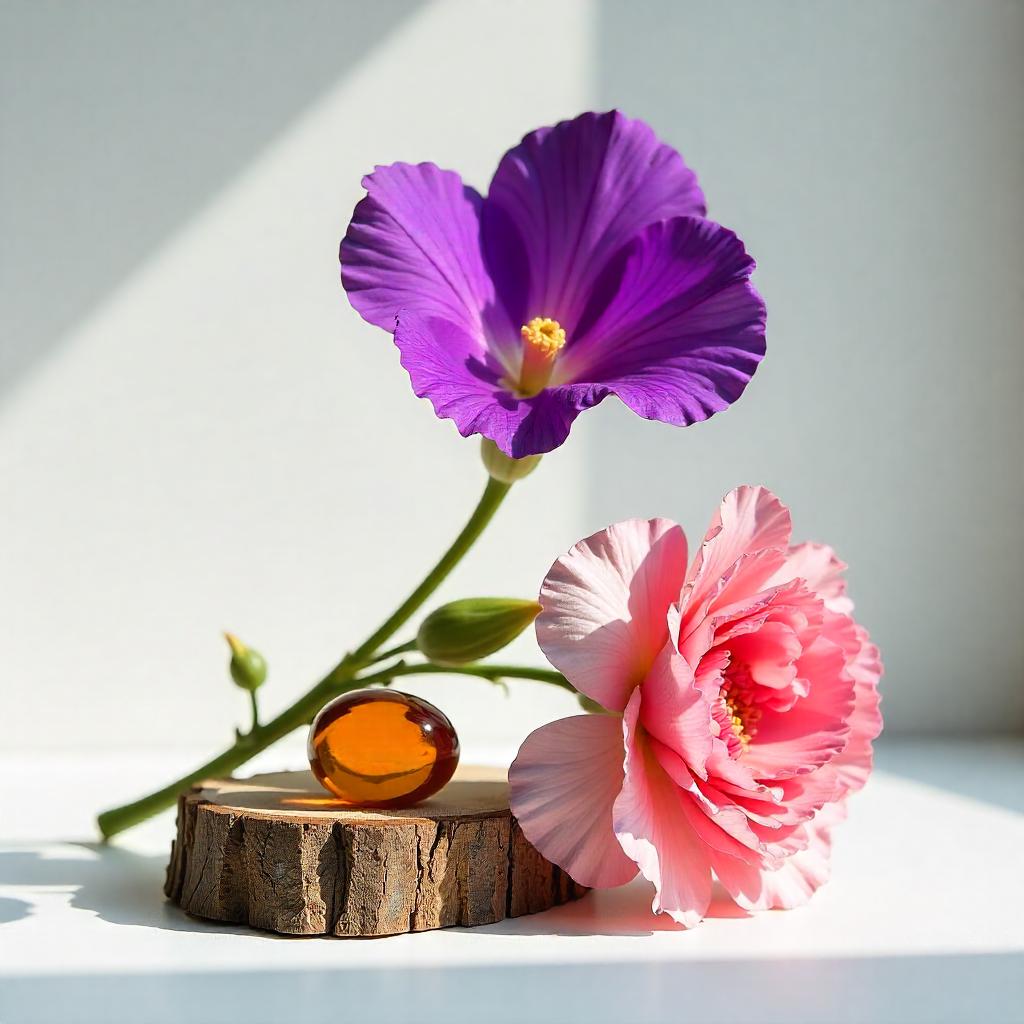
743 717
546 337
543 339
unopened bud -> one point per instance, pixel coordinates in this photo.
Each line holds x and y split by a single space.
473 628
503 467
248 667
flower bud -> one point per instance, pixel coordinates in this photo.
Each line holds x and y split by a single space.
248 667
470 629
504 468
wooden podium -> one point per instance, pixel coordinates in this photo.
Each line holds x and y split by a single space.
278 853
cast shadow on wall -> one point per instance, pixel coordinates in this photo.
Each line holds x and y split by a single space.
180 100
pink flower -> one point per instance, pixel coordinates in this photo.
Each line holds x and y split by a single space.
742 702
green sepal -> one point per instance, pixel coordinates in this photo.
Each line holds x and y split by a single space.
504 468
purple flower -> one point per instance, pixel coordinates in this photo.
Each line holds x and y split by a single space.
588 270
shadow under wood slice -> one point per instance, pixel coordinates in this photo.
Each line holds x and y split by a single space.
276 853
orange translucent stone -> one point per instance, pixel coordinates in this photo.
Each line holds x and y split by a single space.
382 748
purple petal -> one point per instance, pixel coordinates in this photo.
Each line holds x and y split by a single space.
685 329
452 368
414 242
566 200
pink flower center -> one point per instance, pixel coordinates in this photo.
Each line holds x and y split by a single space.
735 710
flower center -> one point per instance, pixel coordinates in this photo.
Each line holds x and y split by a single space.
740 715
543 339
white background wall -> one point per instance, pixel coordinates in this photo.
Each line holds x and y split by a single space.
196 432
872 156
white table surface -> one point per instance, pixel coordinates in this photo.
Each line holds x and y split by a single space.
922 922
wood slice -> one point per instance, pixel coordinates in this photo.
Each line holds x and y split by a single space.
276 852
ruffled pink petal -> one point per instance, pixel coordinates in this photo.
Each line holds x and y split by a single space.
770 654
721 823
562 786
769 808
605 606
822 570
749 520
720 626
854 763
676 711
797 877
804 795
815 729
760 804
743 548
733 776
747 576
699 629
654 830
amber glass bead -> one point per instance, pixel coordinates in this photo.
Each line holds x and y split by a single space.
382 748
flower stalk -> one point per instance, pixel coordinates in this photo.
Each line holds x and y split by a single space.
343 678
298 714
255 706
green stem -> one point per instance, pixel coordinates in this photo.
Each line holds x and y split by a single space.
394 652
485 671
302 712
245 747
339 680
492 498
255 711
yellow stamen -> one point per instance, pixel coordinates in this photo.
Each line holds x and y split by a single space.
543 339
743 717
547 336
